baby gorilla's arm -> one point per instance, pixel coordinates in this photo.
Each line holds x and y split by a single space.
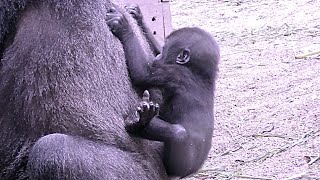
135 11
137 59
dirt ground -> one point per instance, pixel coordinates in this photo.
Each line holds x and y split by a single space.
267 102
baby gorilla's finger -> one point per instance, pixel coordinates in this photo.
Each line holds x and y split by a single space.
134 7
131 9
141 114
113 24
135 12
146 96
157 108
152 111
112 9
139 109
151 104
111 16
145 106
113 20
129 6
132 12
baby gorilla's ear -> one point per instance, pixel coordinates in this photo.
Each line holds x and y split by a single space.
183 57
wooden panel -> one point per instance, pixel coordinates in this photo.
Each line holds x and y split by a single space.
143 2
166 19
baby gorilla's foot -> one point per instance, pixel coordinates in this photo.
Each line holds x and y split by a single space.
143 115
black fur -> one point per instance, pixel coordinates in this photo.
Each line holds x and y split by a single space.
64 93
186 72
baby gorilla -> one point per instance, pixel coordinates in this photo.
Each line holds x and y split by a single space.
185 72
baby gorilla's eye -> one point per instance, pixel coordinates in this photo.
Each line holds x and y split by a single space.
183 57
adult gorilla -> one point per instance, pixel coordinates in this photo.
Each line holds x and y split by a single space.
62 71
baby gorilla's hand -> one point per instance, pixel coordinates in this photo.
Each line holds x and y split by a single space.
118 24
143 115
135 12
147 109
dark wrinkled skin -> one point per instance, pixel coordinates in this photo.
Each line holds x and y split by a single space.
64 94
186 72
